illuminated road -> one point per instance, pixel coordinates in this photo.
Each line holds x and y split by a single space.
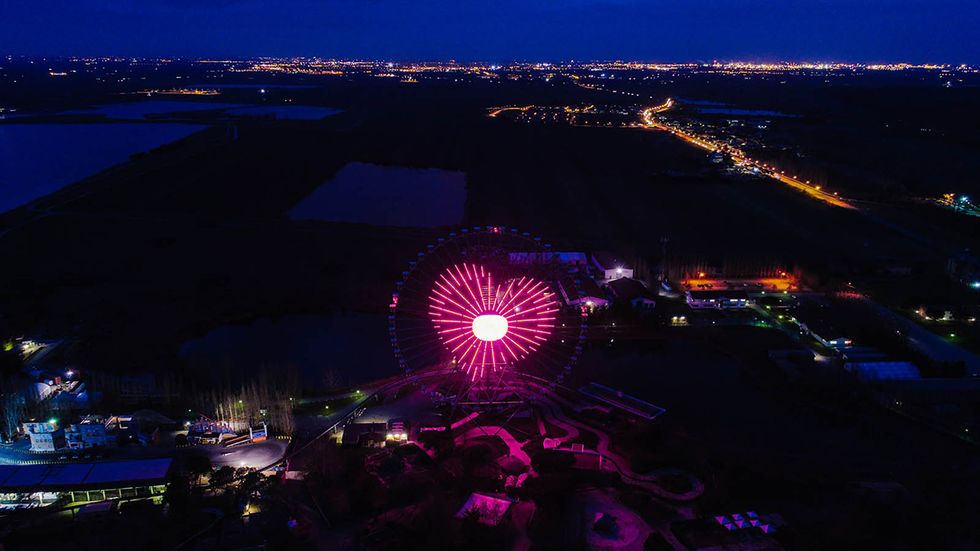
738 156
498 111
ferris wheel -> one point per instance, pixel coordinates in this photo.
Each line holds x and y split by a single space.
484 304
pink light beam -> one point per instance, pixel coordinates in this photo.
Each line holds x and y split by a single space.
485 326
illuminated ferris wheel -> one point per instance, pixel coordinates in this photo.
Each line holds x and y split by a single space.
483 304
486 326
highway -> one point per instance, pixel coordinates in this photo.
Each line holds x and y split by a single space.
496 112
738 156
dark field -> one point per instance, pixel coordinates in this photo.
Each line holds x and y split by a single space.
197 233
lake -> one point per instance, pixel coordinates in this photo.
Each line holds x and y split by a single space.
138 110
354 347
388 196
38 159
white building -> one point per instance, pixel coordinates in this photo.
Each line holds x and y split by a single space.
610 267
718 299
46 437
91 432
585 293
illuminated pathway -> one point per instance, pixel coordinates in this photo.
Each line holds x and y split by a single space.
739 157
516 448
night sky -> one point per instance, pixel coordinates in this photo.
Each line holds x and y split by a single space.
501 30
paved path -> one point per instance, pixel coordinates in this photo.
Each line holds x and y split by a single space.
549 403
516 448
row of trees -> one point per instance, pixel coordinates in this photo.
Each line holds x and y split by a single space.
267 397
16 404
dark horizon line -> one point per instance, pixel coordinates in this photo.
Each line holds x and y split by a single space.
784 61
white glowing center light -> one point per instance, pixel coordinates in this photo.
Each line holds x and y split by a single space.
489 327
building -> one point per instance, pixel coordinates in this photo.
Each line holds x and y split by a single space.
570 259
720 299
626 289
365 434
397 430
23 486
610 267
832 342
857 354
90 432
826 332
46 437
583 292
877 371
41 391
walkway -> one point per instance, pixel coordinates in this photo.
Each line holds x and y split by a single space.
516 448
553 415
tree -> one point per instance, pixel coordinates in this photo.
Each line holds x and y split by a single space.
13 403
177 496
223 475
440 442
391 466
252 481
197 465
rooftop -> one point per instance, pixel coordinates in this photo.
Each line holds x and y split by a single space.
628 289
884 371
525 258
570 288
718 293
49 477
829 320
